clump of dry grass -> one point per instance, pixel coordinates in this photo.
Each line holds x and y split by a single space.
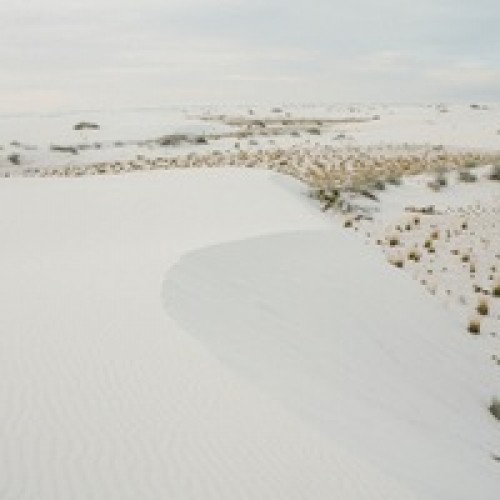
397 262
482 307
414 255
439 182
494 174
474 326
465 175
494 408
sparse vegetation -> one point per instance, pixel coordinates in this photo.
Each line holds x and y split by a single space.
494 408
397 262
394 180
474 326
439 182
494 174
465 175
483 307
414 255
14 158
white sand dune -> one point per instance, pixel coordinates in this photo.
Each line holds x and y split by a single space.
103 396
352 347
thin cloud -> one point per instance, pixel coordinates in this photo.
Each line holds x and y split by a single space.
55 53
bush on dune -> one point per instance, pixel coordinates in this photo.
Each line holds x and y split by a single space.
494 173
495 408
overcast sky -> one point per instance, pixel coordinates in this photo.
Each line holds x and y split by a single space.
80 54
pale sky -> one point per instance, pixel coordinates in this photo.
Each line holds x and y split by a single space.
101 54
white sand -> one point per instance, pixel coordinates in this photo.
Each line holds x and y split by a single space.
102 395
210 334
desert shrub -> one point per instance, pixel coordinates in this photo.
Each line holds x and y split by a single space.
494 174
483 308
377 185
314 131
441 179
414 255
465 175
494 408
330 197
474 326
496 290
15 158
439 182
394 180
397 262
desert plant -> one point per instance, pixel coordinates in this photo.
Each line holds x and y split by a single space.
377 185
494 408
474 326
15 158
482 307
465 175
414 255
494 174
398 262
440 180
394 180
495 291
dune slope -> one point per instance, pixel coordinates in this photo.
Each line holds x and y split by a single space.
102 394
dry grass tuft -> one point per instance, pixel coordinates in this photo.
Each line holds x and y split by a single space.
474 326
414 255
494 408
483 308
